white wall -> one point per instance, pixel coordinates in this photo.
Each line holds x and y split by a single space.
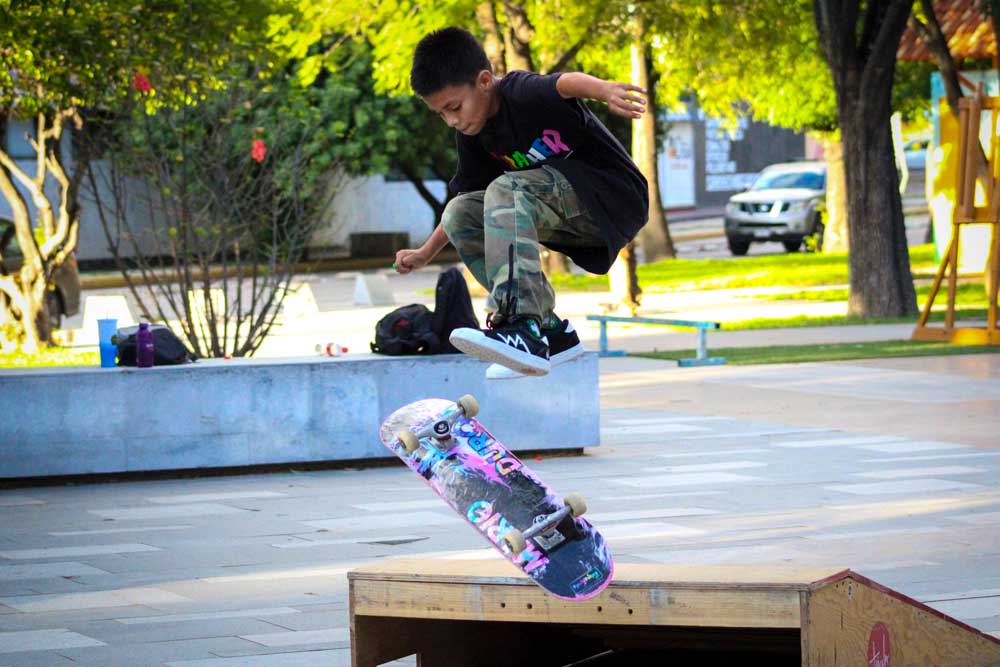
373 204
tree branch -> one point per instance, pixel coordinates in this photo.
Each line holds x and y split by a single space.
935 41
892 23
570 53
413 177
519 36
486 16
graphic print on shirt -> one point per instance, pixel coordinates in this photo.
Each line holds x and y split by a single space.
549 145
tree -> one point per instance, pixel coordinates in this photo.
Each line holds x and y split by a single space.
704 47
236 179
61 62
860 47
655 236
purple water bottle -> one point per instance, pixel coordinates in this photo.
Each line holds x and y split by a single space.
144 346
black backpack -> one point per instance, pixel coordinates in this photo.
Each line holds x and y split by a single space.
407 330
168 350
414 329
452 308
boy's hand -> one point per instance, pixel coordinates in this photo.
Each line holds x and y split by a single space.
409 260
625 99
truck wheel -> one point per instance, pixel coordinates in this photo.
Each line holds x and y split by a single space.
738 247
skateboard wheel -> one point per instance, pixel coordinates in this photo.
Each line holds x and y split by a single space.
514 539
469 405
576 504
409 440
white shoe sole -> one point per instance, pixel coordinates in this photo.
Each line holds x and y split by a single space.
499 372
475 343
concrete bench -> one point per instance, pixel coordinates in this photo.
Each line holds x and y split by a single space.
701 356
253 412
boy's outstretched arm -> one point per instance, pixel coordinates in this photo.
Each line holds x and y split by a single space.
410 259
621 98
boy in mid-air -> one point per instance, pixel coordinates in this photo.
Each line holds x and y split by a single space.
535 166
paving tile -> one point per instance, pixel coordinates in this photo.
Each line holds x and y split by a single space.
691 479
843 441
904 473
910 446
9 500
329 658
905 486
43 640
210 497
121 598
209 615
116 531
165 512
23 571
301 638
76 552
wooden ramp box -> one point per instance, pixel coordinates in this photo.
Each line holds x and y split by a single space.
458 613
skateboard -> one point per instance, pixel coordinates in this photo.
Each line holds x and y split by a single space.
541 533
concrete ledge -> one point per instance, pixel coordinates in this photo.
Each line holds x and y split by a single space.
215 413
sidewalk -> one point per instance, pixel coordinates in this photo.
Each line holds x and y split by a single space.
887 468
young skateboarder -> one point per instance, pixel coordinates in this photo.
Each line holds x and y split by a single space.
535 167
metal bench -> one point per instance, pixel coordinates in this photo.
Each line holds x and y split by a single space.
701 358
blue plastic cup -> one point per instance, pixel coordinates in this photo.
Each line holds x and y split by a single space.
109 351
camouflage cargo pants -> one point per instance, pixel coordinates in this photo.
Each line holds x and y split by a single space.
520 208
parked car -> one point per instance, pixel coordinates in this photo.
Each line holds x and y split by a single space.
915 153
63 295
784 203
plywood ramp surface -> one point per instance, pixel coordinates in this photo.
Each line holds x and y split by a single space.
829 617
639 594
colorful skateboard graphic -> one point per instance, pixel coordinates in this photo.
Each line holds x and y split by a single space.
534 528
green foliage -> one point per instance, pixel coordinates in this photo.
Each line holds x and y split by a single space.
754 54
49 356
60 55
374 132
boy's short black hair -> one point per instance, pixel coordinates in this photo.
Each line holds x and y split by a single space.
447 57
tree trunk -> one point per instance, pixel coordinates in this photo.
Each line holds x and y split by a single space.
413 176
624 281
56 226
486 16
835 220
655 236
517 39
862 62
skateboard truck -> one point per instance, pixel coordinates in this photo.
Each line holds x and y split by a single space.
544 532
440 431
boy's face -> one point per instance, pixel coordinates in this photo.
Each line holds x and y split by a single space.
466 107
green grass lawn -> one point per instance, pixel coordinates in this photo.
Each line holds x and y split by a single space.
786 354
788 270
844 320
50 356
971 293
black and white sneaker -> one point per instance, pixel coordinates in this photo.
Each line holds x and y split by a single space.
516 343
564 345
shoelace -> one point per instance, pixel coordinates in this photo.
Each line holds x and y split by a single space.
507 308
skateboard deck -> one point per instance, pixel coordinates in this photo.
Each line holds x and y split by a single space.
501 497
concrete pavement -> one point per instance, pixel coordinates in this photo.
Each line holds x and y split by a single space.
886 467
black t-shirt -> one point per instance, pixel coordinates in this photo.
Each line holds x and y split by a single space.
535 126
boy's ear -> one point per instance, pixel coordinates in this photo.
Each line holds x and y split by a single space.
484 80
